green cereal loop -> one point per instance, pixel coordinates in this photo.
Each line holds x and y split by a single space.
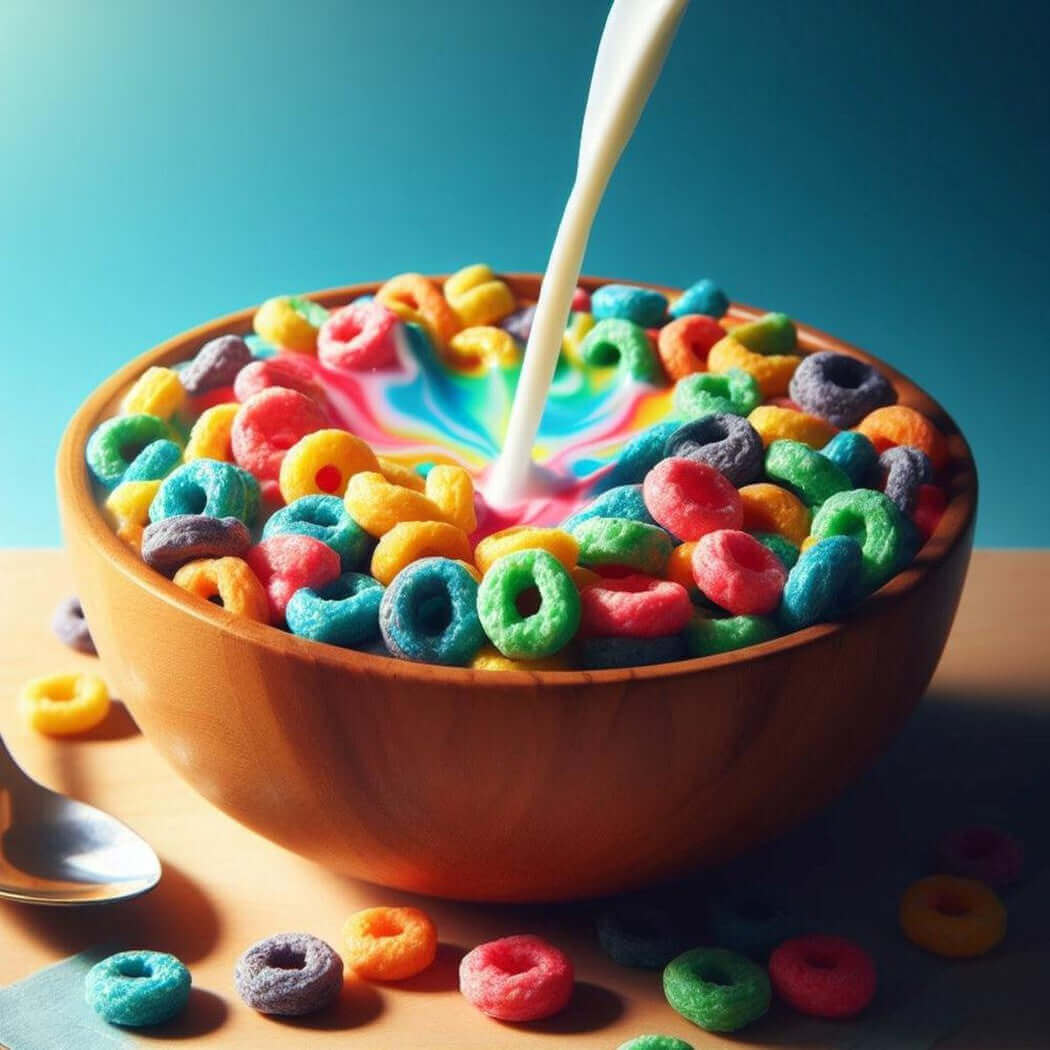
719 990
703 393
811 476
616 341
548 629
621 541
655 1042
784 549
771 334
113 446
874 521
312 313
709 636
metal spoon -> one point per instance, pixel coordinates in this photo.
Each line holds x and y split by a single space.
55 850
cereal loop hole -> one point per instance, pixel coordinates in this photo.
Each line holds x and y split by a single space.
134 968
845 372
528 602
951 904
328 478
285 958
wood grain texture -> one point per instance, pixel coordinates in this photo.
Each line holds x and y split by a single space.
511 786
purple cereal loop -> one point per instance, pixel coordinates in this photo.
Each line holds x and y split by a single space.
69 625
839 388
725 441
169 543
289 974
904 469
519 323
216 364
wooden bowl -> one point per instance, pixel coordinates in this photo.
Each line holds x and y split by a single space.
514 785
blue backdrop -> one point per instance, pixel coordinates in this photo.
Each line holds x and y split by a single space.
879 169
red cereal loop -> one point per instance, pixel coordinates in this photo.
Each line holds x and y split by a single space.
690 498
292 371
929 506
738 573
521 978
288 562
581 301
823 976
359 336
635 606
268 424
683 344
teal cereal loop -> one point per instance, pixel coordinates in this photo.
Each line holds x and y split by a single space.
823 584
783 548
202 486
855 454
716 989
808 474
157 460
639 456
325 518
543 632
624 501
623 344
137 988
252 493
621 541
117 442
703 393
706 637
643 306
873 520
344 612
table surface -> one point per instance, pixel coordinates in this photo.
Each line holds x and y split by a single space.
976 749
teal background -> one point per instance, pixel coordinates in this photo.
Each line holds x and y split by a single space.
877 169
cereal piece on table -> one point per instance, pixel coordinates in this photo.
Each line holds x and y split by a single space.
451 489
811 476
634 606
389 944
639 456
324 518
169 543
157 392
520 978
623 344
360 337
138 988
539 634
738 573
716 989
478 296
655 1042
408 541
900 425
707 636
683 344
289 975
770 334
483 347
489 658
854 454
202 486
71 627
930 503
377 505
613 652
704 393
156 461
115 444
643 306
623 501
982 852
783 548
690 498
429 613
216 364
824 583
417 299
210 434
725 441
289 323
129 503
559 542
873 520
344 612
323 462
774 423
621 541
287 370
64 704
702 297
839 388
519 323
823 976
231 581
268 424
749 919
772 372
905 470
954 917
643 932
288 561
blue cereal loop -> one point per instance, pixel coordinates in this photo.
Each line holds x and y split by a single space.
639 456
597 653
643 306
344 612
157 460
624 501
822 584
703 297
202 486
137 988
854 454
324 518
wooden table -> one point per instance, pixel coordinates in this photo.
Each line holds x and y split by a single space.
977 748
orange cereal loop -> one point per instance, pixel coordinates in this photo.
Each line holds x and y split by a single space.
322 463
769 508
452 489
415 298
129 504
399 474
900 425
478 296
157 392
282 325
483 347
377 506
957 918
408 541
489 658
772 372
210 436
683 344
680 566
563 545
389 944
774 423
231 581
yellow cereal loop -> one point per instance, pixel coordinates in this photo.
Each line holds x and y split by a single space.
576 331
398 474
478 296
129 504
377 506
807 543
680 566
231 580
210 436
774 423
769 508
63 704
157 392
452 490
772 372
323 463
281 325
584 577
481 348
489 658
408 541
558 542
415 298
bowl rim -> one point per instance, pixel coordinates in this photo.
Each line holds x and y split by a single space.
76 494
